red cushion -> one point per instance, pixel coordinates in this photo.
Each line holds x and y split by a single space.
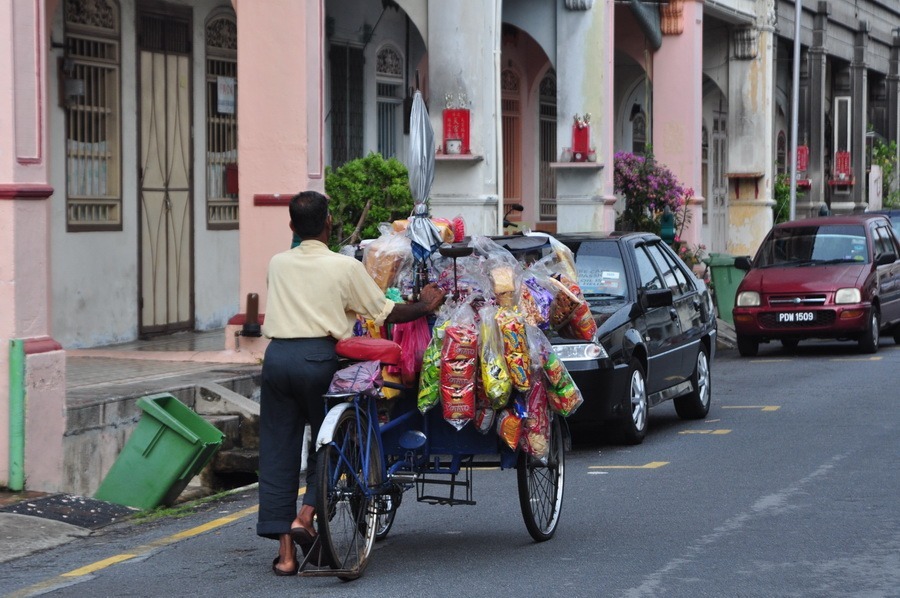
364 348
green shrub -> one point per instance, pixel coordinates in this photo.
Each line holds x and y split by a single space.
365 192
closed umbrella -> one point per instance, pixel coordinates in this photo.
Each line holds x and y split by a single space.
422 232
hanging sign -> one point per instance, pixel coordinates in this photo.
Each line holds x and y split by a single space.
225 92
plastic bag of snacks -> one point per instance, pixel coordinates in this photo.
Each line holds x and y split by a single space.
563 395
413 338
515 346
564 304
430 376
560 261
535 301
536 425
503 272
581 324
386 256
495 379
459 354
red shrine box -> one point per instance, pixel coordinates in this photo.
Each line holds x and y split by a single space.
581 142
456 130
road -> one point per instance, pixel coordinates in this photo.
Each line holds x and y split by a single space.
789 488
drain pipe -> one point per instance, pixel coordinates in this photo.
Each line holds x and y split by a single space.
16 415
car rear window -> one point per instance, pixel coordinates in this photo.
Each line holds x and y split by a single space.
600 269
813 245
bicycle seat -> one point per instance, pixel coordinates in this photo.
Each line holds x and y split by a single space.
363 348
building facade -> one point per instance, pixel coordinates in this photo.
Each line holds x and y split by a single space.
150 147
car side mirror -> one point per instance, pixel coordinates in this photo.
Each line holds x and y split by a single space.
883 259
651 298
742 263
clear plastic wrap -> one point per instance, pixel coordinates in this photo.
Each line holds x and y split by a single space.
459 354
363 376
515 346
495 379
386 256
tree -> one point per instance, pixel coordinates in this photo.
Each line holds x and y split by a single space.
365 192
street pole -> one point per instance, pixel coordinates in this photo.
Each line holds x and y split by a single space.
795 106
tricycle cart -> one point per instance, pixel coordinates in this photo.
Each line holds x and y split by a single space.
368 458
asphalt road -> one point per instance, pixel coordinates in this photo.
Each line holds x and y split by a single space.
789 488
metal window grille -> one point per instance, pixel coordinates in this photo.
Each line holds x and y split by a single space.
389 115
90 98
512 143
346 112
547 176
221 127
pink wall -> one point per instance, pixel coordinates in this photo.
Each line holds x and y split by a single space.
678 108
279 143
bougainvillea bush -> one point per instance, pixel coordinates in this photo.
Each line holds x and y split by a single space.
648 188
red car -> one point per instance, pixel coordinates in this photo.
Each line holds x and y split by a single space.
835 277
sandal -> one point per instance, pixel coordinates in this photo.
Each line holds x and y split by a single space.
282 572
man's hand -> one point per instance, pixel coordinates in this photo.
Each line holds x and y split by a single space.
432 296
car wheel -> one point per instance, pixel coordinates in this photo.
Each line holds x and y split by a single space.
695 405
790 344
747 347
634 425
868 342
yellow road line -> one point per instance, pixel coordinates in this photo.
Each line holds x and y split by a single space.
876 358
66 578
760 407
716 432
651 465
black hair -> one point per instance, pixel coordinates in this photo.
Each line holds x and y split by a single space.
309 211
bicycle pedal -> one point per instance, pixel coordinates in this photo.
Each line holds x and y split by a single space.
404 477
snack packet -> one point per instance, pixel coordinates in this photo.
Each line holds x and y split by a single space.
515 346
536 425
458 367
429 377
509 428
495 379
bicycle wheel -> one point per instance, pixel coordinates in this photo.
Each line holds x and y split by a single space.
541 486
346 507
386 506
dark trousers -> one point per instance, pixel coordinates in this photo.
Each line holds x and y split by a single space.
295 375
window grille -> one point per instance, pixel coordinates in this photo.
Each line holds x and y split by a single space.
512 144
389 85
90 98
346 112
547 176
221 127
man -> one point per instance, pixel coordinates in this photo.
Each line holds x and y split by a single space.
314 296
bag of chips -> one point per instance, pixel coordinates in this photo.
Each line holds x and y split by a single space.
509 428
515 346
495 379
429 377
458 367
536 425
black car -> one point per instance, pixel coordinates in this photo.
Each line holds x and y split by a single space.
656 329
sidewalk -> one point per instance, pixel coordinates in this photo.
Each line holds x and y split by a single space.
34 521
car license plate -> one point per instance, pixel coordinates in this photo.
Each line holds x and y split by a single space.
795 317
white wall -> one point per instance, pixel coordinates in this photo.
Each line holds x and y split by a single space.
94 275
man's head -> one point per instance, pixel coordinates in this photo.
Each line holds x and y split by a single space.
309 214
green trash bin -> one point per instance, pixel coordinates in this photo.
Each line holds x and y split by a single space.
170 445
725 279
